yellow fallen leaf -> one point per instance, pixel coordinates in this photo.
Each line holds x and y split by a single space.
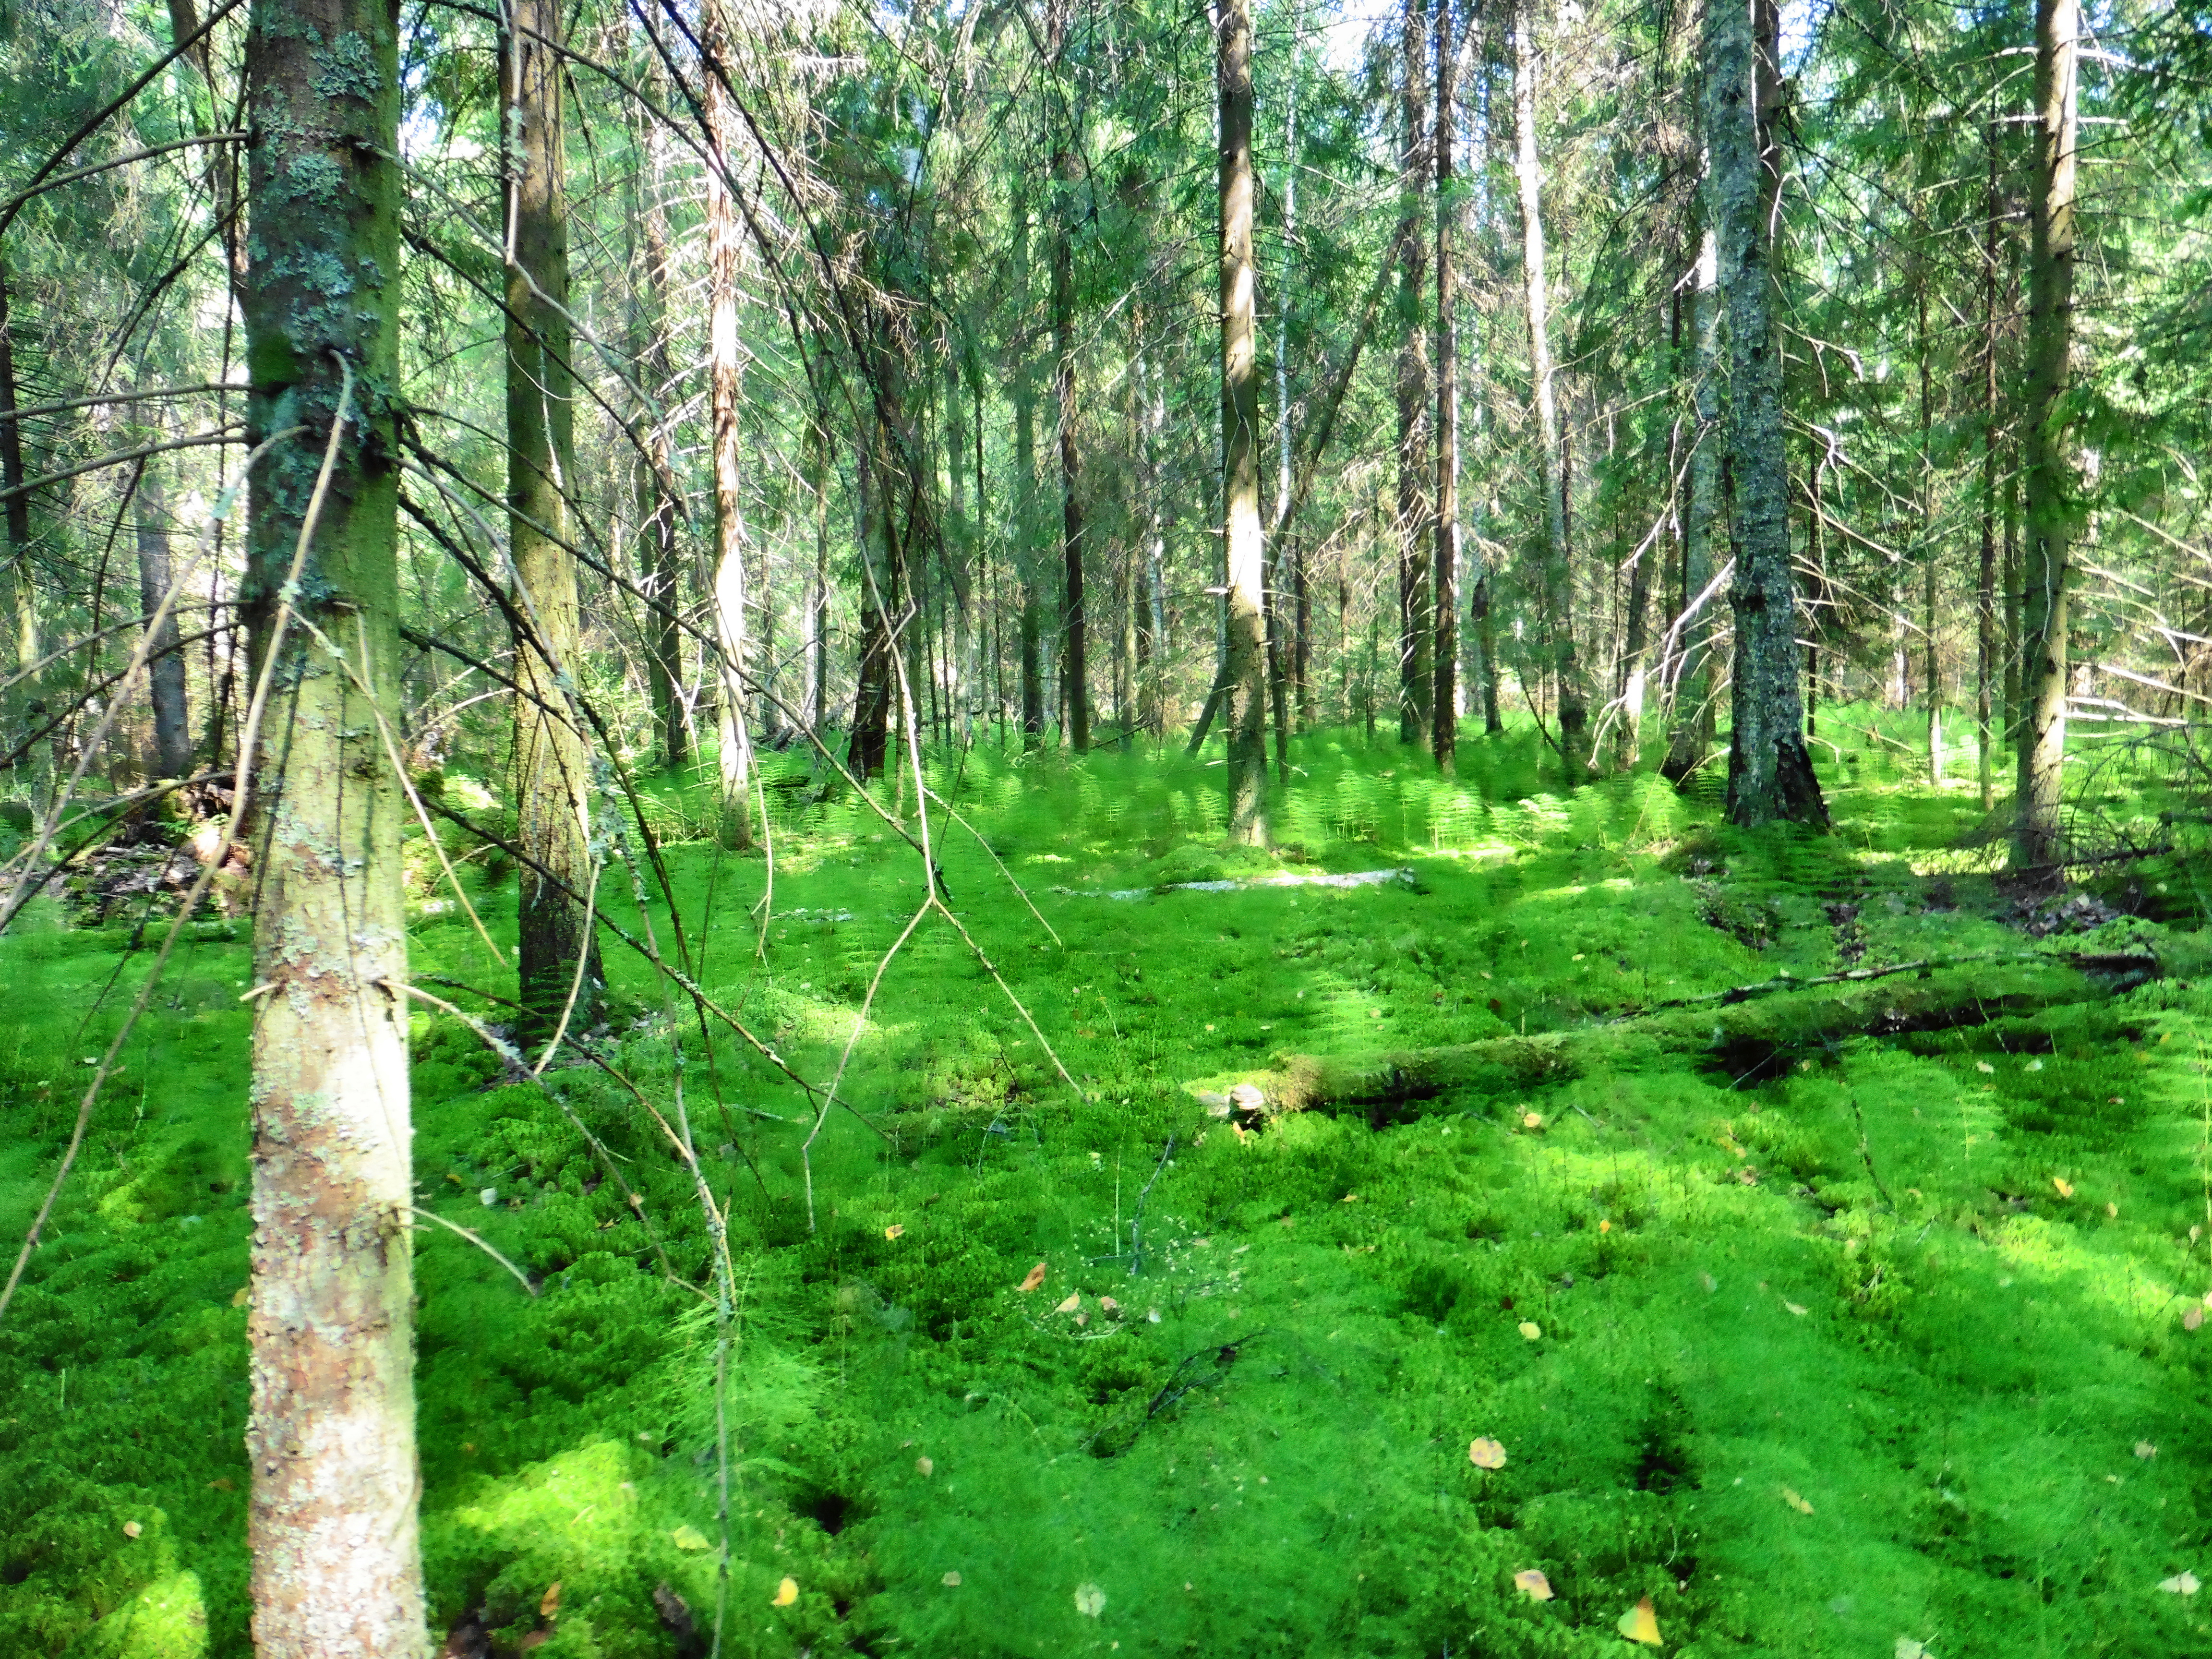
1795 1502
1985 1068
550 1603
131 1528
1533 1584
1531 1120
689 1538
1793 1308
1641 1624
1605 1226
895 1229
1074 1301
786 1594
1485 1454
245 1295
925 1466
1034 1279
1530 1329
2113 1211
2065 1187
1089 1600
951 1580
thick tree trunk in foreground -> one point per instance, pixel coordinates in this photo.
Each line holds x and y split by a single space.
733 744
1558 621
553 778
1240 436
332 1526
1416 611
2035 835
1445 723
1769 769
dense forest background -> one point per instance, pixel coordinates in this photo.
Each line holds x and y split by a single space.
1022 828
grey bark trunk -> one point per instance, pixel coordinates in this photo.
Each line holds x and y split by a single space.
172 753
1240 433
733 744
1416 616
1444 720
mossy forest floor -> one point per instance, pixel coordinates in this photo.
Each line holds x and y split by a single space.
1832 1348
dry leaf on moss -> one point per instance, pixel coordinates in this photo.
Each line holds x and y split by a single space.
1485 1454
689 1538
550 1603
1074 1301
925 1466
1794 1502
1089 1600
786 1594
1533 1584
895 1230
1641 1624
2192 1316
1036 1278
951 1580
2065 1187
2182 1583
1531 1329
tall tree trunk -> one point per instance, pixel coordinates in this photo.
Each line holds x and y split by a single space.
733 745
817 586
1692 740
1240 433
656 489
1445 722
21 621
2050 487
1283 556
332 1521
1816 556
171 755
875 676
1931 669
1075 687
1985 612
1769 769
1552 465
553 776
1025 492
1416 612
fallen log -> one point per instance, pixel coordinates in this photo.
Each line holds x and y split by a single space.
1744 1027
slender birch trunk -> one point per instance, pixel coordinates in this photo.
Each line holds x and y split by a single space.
1025 493
553 773
656 491
2036 843
1240 433
332 1523
1416 612
733 743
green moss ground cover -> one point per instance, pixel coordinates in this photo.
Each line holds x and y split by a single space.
1859 1340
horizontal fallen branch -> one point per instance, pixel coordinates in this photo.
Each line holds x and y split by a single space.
1352 878
1754 1021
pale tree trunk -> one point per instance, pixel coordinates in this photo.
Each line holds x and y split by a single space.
1283 549
22 621
1025 492
1445 722
1770 770
1240 432
733 745
332 1521
657 492
1558 621
1074 682
1931 669
1691 739
172 753
2036 843
817 586
553 777
1416 612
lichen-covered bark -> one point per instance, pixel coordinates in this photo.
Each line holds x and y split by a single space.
1239 434
1572 701
337 1567
2043 636
1416 601
1769 769
553 776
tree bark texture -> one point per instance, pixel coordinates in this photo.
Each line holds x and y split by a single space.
1558 585
172 753
1986 599
332 1521
733 744
1239 434
2051 488
553 776
1416 606
1770 768
1444 721
1074 666
657 492
1691 739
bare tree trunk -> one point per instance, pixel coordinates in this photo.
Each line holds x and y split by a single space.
22 619
1558 561
733 744
1770 770
817 586
1931 669
1025 491
1416 612
1985 615
552 768
332 1522
657 494
1075 688
1693 736
171 755
1240 433
1445 722
2051 485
